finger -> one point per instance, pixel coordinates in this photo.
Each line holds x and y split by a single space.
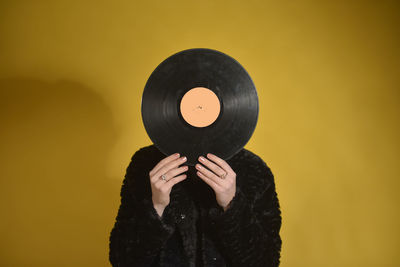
210 182
220 162
171 165
163 162
174 172
212 166
210 174
175 180
170 175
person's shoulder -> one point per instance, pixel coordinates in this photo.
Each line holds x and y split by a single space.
145 152
249 159
147 149
143 159
252 169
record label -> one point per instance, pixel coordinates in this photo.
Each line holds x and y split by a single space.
200 107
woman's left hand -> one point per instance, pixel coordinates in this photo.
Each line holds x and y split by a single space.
224 188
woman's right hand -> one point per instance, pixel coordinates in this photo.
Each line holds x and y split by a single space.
161 189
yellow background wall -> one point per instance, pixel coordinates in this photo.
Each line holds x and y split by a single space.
71 79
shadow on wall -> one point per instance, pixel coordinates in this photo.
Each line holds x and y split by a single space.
54 195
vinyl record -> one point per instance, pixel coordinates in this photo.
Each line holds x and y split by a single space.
200 101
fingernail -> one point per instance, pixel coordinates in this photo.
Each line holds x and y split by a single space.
184 158
176 154
201 158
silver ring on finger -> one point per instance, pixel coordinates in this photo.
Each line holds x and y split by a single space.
222 176
163 177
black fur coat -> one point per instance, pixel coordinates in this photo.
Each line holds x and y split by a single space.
194 230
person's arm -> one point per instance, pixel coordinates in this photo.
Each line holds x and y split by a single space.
248 231
139 232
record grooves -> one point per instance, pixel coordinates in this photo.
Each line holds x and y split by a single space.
200 101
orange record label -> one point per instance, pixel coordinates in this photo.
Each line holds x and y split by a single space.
200 107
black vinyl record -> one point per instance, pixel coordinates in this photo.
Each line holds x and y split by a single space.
200 101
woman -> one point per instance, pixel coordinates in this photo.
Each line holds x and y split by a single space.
224 214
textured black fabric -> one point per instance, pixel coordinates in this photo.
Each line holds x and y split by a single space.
194 230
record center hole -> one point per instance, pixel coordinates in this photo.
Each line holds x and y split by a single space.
200 107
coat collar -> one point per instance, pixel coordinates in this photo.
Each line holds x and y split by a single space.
190 202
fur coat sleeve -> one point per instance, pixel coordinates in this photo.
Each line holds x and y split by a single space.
248 230
130 242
